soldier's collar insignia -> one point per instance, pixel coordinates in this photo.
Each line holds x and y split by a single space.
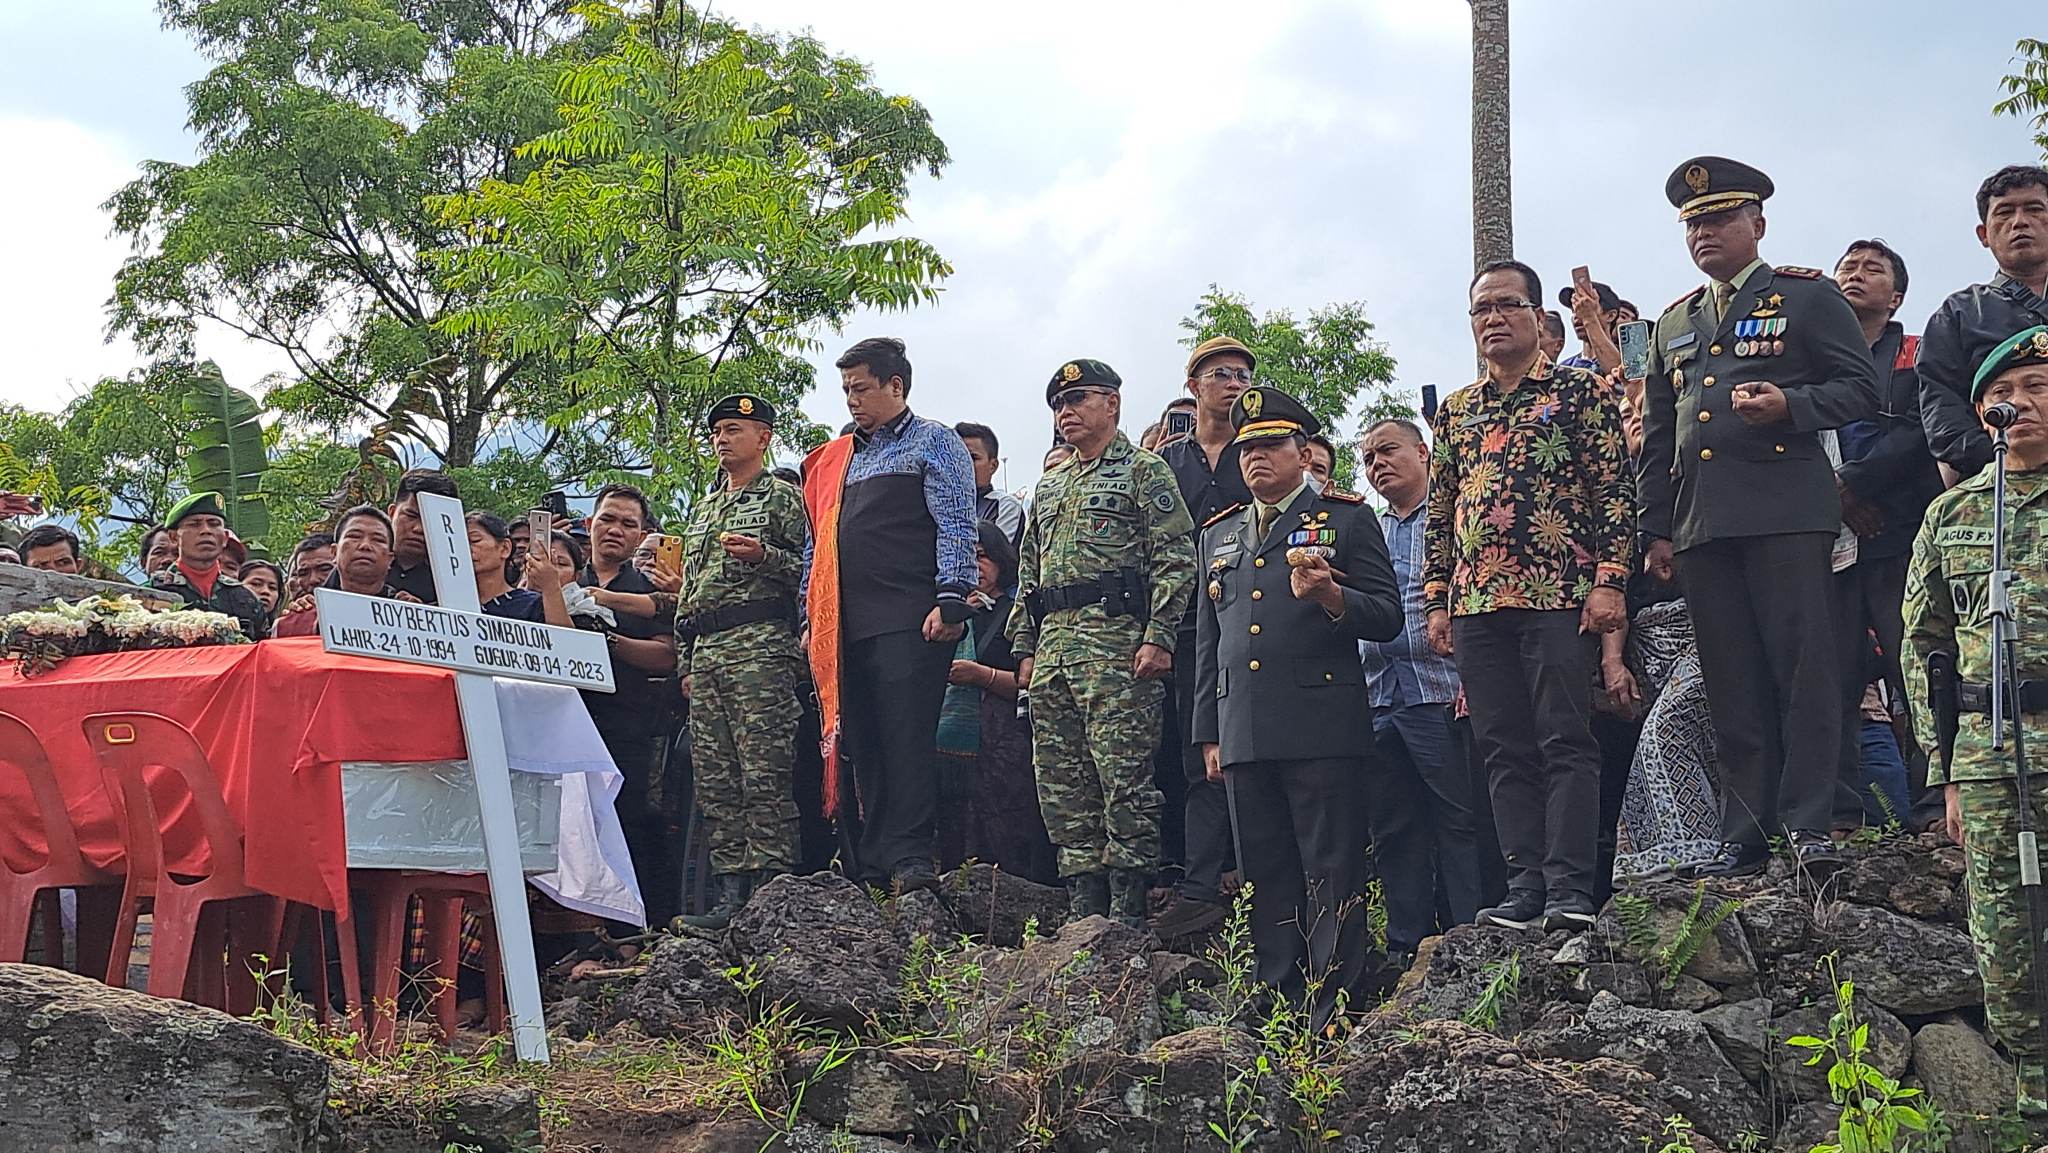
1323 514
1696 179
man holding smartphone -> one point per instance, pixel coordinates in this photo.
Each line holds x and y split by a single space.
1737 495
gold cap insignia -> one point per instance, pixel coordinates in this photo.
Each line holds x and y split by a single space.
746 406
1071 372
2041 344
1696 179
1252 402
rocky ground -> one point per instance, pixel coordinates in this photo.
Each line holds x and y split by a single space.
829 1019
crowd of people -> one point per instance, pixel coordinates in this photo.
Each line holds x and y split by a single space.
1609 618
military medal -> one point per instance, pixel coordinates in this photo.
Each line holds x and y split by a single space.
1753 336
1216 590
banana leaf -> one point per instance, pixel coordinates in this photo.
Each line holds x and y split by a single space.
225 451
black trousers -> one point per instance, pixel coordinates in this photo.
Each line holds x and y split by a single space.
1763 611
892 687
1528 678
1869 598
1617 738
1423 842
1205 812
1302 833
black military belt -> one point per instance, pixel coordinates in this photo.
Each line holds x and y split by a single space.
712 621
1972 697
1121 593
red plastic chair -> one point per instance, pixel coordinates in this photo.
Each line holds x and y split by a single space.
384 897
221 914
63 867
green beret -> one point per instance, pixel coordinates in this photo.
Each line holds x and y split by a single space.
1707 184
741 406
1083 374
1262 412
2020 348
198 504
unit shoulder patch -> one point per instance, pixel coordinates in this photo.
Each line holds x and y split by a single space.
1342 497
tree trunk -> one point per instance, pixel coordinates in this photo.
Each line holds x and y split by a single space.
1493 216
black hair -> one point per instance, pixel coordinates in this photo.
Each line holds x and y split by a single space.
312 541
45 535
968 430
626 492
1874 245
149 539
491 523
419 480
374 513
882 356
1319 438
2011 178
1413 429
243 573
1552 322
558 537
1528 275
995 544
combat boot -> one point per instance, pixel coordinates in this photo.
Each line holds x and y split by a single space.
2033 1089
1087 896
1128 897
730 891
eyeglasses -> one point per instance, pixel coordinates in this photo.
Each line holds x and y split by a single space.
1497 308
1226 375
1074 396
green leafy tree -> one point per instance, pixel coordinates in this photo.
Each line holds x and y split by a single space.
323 128
2027 88
1329 362
712 197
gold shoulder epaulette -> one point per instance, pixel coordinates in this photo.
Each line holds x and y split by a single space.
1801 273
1238 507
1342 497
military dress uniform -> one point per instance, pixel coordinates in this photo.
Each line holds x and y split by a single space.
1107 565
227 596
1280 689
1752 513
736 642
1946 611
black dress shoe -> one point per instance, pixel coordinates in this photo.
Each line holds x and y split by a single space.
1816 854
1734 860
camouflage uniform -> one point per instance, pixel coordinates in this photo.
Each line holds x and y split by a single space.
1093 723
229 597
744 679
1945 604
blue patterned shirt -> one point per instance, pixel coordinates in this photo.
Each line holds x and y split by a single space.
1406 671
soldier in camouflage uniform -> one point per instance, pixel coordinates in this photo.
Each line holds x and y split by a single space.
1105 573
199 577
1945 612
736 654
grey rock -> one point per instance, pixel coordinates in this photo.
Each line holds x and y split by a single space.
1620 978
1693 1077
1890 1049
821 944
1442 1085
1577 951
1692 994
1777 923
87 1067
930 1093
1723 958
921 914
1166 1096
1806 1126
996 906
1451 973
1742 1032
685 983
1966 1077
1899 875
1910 967
1089 987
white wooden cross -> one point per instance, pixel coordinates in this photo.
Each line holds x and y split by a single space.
456 635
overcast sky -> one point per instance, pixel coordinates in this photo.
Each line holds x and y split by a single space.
1111 160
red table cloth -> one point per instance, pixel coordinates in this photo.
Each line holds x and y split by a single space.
277 719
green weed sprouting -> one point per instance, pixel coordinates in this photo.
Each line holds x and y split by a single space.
1694 929
1503 989
1877 1115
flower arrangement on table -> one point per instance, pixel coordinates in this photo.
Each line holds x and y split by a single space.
40 639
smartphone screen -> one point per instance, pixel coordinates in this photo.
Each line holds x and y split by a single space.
1634 339
1179 423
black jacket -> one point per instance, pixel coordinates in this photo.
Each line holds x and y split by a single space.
1896 472
1705 473
1969 324
1275 678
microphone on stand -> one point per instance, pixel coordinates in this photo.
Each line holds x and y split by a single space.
2001 415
